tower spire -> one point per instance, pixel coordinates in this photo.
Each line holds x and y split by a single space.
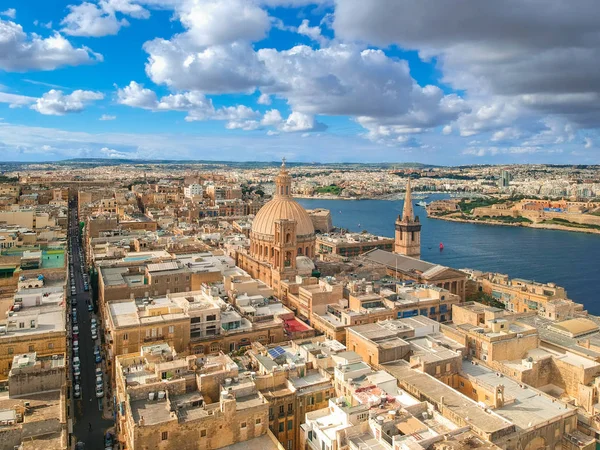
407 213
283 182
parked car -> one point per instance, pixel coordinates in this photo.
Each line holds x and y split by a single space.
77 391
75 329
98 371
94 334
75 343
90 307
76 352
76 362
93 323
76 372
108 441
99 382
99 392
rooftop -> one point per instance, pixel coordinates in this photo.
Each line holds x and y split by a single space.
530 407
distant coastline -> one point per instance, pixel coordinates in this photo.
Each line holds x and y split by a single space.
544 226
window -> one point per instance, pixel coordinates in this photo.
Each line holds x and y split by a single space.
258 421
290 445
448 367
438 370
21 324
474 391
32 324
290 425
319 397
290 408
125 336
211 317
462 384
31 348
243 425
281 427
10 350
195 320
171 329
215 347
50 345
164 435
176 279
310 401
202 433
310 435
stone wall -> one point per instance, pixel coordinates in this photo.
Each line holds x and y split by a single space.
22 382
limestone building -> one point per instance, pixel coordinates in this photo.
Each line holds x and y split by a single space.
282 235
408 229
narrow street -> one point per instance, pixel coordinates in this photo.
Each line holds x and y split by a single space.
88 408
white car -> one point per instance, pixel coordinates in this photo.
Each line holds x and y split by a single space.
75 343
77 391
76 362
99 392
99 382
94 334
93 323
98 371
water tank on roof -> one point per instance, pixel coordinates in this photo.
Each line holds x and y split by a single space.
40 277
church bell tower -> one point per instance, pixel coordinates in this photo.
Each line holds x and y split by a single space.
408 229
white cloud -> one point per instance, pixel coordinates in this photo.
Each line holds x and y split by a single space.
588 143
107 117
127 7
56 103
10 13
217 22
15 100
264 99
272 118
197 106
91 20
298 121
137 96
447 129
219 69
20 52
113 154
97 20
312 32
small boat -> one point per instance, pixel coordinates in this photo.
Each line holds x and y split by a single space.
422 203
441 246
359 225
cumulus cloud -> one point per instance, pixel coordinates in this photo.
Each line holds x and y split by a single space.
107 117
194 103
91 20
298 121
55 103
217 22
588 143
219 69
97 20
137 96
507 50
264 99
312 32
11 13
112 153
20 52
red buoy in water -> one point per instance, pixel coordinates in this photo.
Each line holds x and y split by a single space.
441 246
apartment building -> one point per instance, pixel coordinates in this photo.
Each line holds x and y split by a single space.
167 401
35 323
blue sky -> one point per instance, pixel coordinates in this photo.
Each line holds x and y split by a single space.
313 80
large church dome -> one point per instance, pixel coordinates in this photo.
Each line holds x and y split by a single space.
282 208
297 233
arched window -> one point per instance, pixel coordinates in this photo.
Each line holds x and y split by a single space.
400 234
299 251
288 238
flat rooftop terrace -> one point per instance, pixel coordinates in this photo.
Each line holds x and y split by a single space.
529 407
461 406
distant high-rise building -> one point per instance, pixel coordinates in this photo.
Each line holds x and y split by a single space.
408 229
504 179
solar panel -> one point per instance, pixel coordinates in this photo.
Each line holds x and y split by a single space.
276 352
